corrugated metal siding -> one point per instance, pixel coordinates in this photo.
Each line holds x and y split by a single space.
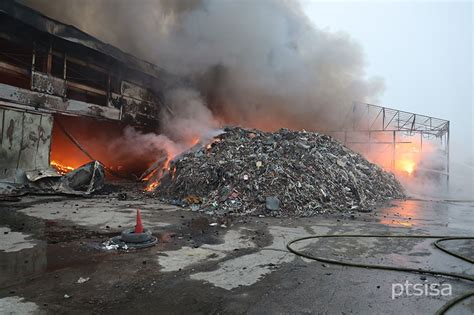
25 139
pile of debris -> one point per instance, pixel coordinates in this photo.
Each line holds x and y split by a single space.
83 181
279 174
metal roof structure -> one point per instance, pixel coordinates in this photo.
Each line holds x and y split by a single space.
72 34
371 117
368 128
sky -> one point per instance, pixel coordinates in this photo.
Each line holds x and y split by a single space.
422 50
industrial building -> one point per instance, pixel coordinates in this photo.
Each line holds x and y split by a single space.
49 70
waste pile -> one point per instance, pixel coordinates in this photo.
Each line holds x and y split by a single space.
285 173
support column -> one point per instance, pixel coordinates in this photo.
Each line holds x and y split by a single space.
65 66
393 151
421 141
369 145
447 156
49 61
33 61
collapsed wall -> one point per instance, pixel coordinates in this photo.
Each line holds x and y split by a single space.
283 173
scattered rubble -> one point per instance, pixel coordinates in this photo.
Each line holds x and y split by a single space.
82 280
113 245
277 174
132 238
82 181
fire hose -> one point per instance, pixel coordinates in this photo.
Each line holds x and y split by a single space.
436 243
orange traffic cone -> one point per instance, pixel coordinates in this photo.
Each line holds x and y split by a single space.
139 225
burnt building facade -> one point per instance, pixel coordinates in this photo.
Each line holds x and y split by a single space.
50 70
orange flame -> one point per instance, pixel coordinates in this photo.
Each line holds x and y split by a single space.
154 179
407 166
195 141
152 186
61 168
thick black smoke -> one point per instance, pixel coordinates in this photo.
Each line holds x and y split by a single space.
254 63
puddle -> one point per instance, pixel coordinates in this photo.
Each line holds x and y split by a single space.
22 259
426 213
30 246
15 241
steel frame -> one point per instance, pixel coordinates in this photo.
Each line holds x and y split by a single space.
369 119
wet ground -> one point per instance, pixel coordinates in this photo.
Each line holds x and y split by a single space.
52 260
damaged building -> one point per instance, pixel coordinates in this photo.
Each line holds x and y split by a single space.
52 77
65 96
253 179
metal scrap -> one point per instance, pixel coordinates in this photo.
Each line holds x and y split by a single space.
82 181
278 174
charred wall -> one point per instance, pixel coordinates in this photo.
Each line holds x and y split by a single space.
48 68
25 139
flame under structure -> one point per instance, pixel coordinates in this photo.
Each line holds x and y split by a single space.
153 179
407 166
61 168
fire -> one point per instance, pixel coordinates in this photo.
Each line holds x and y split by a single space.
408 159
195 141
152 185
154 178
61 168
407 166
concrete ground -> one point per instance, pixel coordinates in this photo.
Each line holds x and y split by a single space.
52 259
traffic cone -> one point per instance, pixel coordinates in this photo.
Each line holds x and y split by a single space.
139 225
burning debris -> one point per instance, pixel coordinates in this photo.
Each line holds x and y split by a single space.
82 181
279 174
66 90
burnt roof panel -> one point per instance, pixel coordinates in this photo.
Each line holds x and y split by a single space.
72 34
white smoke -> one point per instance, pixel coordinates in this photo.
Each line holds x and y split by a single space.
188 117
254 63
179 132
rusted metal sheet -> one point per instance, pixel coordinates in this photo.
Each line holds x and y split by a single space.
139 105
56 104
45 130
134 111
48 84
29 141
137 92
11 138
116 101
25 140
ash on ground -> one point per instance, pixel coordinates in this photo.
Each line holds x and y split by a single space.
284 173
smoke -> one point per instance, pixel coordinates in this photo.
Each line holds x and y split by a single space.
253 63
179 132
258 64
189 118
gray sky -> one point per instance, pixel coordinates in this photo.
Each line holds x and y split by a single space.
422 49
